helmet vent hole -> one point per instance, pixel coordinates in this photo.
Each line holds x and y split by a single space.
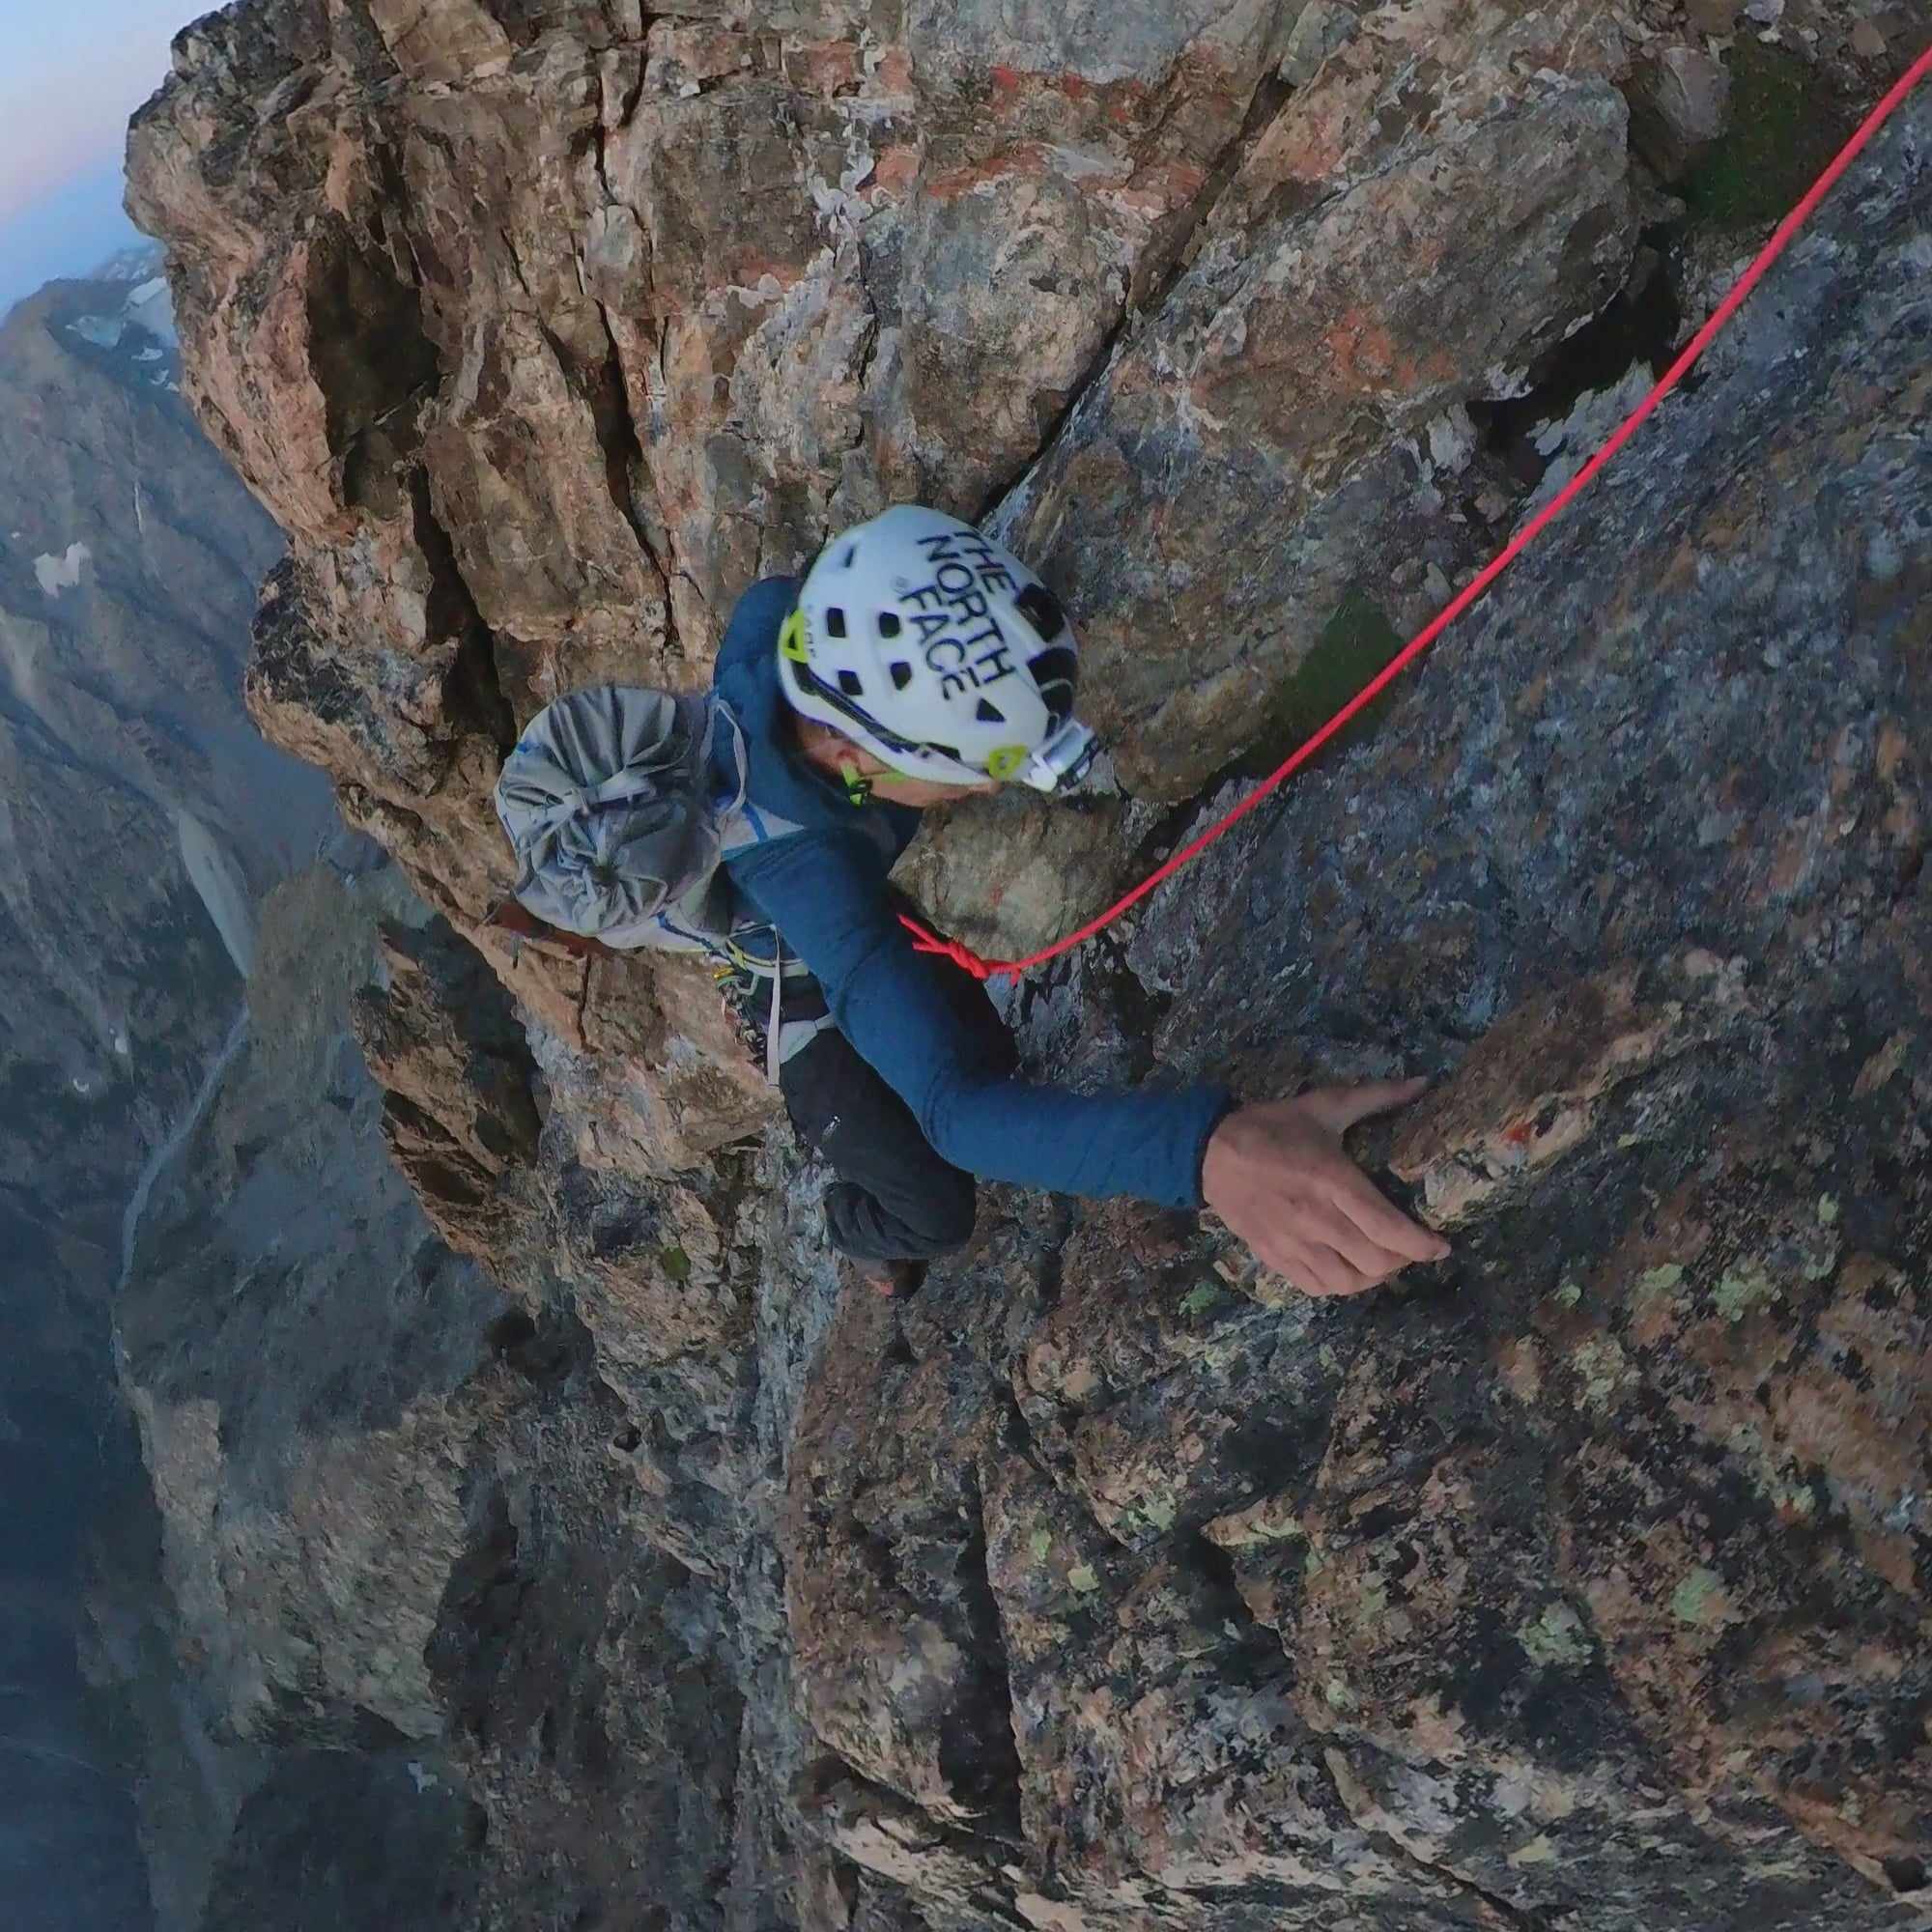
851 684
901 677
845 562
889 624
1056 673
1038 606
834 623
990 713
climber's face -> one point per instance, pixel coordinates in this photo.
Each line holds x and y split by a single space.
896 788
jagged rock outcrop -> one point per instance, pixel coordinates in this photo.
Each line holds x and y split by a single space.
1110 1583
457 1113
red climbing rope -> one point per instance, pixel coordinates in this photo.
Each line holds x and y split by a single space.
987 969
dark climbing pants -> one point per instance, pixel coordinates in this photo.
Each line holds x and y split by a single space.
894 1198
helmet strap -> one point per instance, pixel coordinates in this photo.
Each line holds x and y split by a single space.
858 786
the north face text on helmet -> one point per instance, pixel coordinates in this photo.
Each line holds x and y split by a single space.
937 650
959 636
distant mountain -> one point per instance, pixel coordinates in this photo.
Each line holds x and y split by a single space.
141 262
139 811
140 819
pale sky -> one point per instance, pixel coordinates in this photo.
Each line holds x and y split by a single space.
72 71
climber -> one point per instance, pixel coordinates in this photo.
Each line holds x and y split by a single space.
917 662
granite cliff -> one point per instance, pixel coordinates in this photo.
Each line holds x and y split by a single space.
1579 1584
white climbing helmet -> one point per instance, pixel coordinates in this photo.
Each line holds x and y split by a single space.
940 652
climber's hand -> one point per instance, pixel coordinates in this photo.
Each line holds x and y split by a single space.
1277 1176
512 918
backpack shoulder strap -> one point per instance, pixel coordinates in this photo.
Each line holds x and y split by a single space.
740 823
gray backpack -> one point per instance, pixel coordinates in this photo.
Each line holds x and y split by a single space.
615 808
611 806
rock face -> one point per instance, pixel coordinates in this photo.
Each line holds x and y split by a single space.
1576 1584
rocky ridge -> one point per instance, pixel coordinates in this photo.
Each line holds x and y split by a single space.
1106 1584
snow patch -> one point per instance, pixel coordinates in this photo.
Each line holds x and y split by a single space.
151 307
148 309
105 331
129 265
63 572
223 891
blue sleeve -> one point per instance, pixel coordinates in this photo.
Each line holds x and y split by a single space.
755 620
825 891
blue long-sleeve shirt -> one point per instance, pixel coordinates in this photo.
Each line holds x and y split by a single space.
824 889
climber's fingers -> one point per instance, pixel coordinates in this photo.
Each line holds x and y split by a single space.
1336 1109
1339 1108
1364 1204
1312 1267
1277 1176
1329 1224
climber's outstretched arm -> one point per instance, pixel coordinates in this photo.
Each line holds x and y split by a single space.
826 892
1278 1177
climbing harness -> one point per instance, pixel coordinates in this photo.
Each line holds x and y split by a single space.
963 956
779 1005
